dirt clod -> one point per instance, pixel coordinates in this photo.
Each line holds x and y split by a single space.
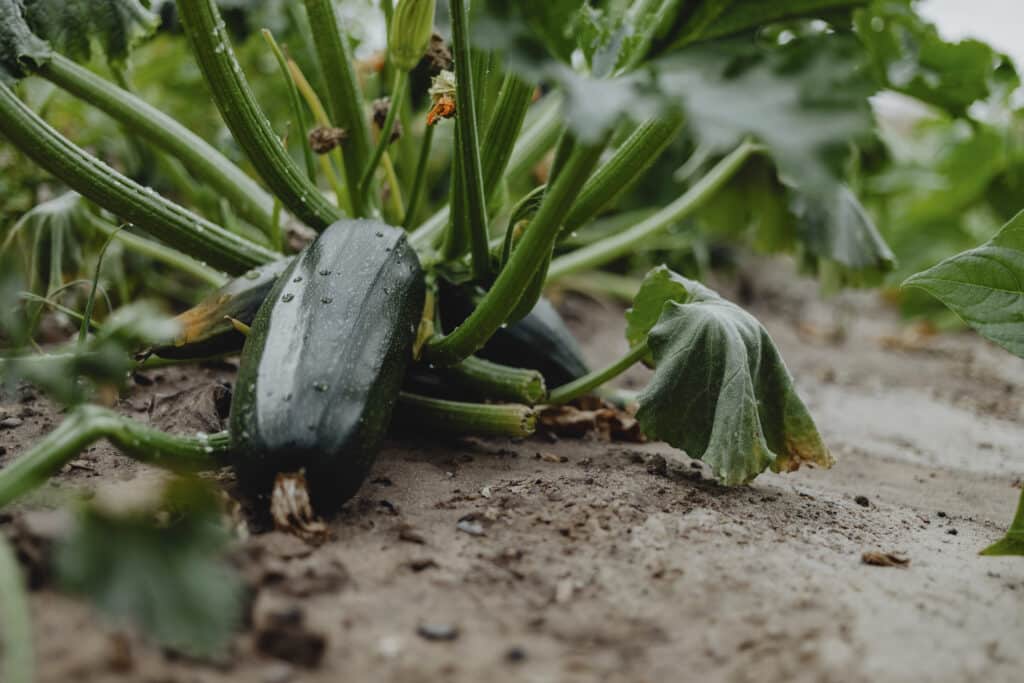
863 501
880 559
283 634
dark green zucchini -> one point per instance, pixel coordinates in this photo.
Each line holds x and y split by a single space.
322 367
539 341
206 328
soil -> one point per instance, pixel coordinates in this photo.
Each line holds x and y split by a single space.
473 559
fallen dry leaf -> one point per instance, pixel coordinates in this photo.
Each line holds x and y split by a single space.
879 559
591 415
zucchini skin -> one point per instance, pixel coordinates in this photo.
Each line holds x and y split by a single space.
205 328
324 362
539 341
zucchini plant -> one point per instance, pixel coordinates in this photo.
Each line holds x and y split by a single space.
475 181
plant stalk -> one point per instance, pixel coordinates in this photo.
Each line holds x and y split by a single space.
345 99
15 619
492 381
420 180
455 417
88 423
248 123
294 101
399 86
172 224
472 179
533 250
617 246
202 159
592 380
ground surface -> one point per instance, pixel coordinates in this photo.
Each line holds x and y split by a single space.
591 567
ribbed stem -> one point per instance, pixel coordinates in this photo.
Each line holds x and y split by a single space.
455 417
486 380
172 224
468 149
344 97
250 127
616 246
88 423
617 175
538 137
503 130
592 380
201 158
532 251
295 102
15 620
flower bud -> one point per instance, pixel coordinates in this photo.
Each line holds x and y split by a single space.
412 24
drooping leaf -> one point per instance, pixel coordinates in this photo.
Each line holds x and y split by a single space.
659 286
985 286
1013 542
909 56
720 389
17 43
840 241
170 578
77 27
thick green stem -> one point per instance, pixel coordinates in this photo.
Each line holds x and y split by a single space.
172 224
202 159
486 380
250 127
15 620
88 423
625 167
532 251
158 252
345 99
469 143
398 89
503 130
616 246
455 417
420 179
590 381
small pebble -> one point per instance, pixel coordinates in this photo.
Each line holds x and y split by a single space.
515 654
656 464
940 513
439 632
952 532
862 501
471 527
10 422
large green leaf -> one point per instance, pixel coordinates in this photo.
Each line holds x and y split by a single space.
720 389
908 56
17 43
76 27
171 578
985 286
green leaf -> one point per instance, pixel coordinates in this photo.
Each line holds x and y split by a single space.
170 577
48 237
841 242
659 286
908 56
17 43
985 286
1013 542
807 101
77 27
720 389
720 18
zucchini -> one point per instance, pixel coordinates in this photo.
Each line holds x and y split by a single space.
539 341
206 328
323 364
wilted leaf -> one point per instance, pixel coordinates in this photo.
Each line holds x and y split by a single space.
720 389
170 578
660 285
985 286
76 27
